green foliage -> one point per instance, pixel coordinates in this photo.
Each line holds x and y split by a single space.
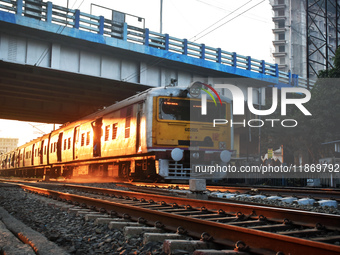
322 126
334 72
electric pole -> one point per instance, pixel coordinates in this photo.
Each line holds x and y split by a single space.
161 18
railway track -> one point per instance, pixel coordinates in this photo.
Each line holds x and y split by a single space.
317 193
254 229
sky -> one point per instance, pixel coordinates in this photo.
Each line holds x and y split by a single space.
243 26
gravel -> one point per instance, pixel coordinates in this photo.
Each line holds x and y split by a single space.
262 199
69 231
313 208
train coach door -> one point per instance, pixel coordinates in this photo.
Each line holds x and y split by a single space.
32 154
59 146
138 127
24 157
97 134
18 158
42 152
75 143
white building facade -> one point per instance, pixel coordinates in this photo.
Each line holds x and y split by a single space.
8 144
290 35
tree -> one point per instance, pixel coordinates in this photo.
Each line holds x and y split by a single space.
322 126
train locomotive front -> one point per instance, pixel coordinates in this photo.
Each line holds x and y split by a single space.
183 138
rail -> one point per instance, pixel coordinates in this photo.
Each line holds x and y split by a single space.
265 233
47 12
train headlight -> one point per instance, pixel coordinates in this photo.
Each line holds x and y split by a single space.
177 154
195 89
222 145
225 156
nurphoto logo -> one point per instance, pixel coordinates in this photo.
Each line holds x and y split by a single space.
238 99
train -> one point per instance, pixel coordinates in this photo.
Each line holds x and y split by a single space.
158 134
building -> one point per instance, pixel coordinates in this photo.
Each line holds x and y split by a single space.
295 20
8 144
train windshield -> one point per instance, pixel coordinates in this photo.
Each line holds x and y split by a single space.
189 110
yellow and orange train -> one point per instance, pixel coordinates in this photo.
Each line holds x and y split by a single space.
159 133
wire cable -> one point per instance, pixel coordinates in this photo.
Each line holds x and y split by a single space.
220 20
231 19
131 76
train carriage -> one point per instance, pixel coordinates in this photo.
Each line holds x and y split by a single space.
136 138
20 158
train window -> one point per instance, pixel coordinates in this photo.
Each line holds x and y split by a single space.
127 127
107 132
88 138
69 143
65 141
114 130
55 146
128 121
189 110
82 139
45 149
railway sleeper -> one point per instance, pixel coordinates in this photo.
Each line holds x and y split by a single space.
178 210
248 223
303 232
327 239
208 216
173 241
131 231
273 227
169 246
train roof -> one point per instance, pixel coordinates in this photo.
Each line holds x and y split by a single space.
175 91
160 91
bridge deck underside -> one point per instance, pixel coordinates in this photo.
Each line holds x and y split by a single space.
38 94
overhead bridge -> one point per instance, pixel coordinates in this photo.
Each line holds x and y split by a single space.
59 64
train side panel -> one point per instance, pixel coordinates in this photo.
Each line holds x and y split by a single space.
36 154
28 155
85 146
127 138
112 134
20 158
44 145
67 145
2 156
53 147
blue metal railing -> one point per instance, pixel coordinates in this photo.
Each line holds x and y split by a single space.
99 25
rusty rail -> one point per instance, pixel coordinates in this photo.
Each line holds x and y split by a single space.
260 242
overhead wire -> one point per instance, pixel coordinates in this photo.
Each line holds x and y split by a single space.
161 60
231 19
253 16
220 20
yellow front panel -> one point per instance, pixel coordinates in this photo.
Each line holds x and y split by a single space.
186 133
